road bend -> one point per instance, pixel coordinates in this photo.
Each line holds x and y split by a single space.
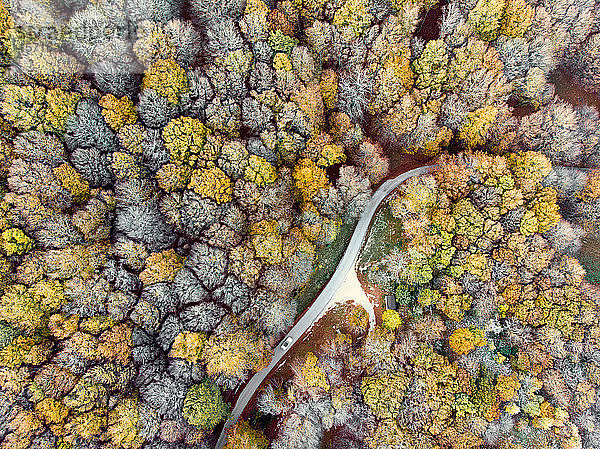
325 297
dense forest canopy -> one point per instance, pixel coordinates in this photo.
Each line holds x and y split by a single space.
173 173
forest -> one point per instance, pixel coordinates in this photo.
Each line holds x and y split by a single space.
171 172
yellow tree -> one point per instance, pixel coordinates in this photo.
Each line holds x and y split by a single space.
235 353
477 124
161 267
312 376
117 112
124 425
173 177
212 183
267 241
185 139
309 178
244 436
260 171
463 341
167 78
72 181
188 345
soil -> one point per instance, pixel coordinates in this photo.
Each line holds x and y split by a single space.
430 26
375 295
569 90
401 163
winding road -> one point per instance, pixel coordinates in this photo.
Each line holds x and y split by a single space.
325 297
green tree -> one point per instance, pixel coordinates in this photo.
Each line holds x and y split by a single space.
185 139
280 43
384 393
14 241
352 18
432 66
486 18
204 406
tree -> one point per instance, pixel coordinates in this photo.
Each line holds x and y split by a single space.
517 18
28 309
233 158
205 317
37 179
172 177
155 110
35 108
93 165
225 116
60 105
259 171
115 344
117 111
384 393
6 25
145 224
185 140
167 79
267 241
15 241
204 406
323 151
355 191
309 179
311 376
371 158
161 267
208 264
189 346
87 129
352 18
431 66
477 124
355 89
235 354
186 40
72 181
244 436
391 320
462 341
486 18
36 146
587 62
124 424
329 88
167 396
212 183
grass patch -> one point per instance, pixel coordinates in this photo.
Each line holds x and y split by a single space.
589 257
384 235
328 258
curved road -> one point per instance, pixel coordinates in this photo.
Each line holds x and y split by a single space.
322 301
